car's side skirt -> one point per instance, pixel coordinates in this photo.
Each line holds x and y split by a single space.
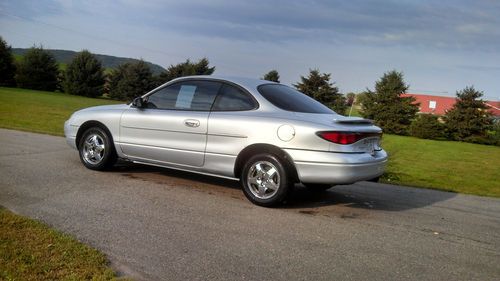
185 169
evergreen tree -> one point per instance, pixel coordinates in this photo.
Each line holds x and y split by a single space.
130 80
7 66
272 75
387 107
37 70
186 68
361 98
84 76
468 119
319 87
427 126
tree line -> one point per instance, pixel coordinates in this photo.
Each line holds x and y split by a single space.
468 120
85 76
395 113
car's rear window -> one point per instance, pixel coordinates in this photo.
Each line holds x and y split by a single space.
289 99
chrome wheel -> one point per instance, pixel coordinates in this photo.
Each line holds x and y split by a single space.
93 149
263 179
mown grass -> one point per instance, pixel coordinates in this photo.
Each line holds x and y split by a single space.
445 165
39 111
29 250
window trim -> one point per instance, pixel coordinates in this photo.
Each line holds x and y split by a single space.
256 104
266 84
221 81
183 81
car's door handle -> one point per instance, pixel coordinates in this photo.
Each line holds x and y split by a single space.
192 123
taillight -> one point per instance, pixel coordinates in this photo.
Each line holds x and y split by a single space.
346 137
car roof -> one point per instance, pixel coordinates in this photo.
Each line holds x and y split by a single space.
249 83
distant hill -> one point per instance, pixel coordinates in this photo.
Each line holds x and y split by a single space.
64 57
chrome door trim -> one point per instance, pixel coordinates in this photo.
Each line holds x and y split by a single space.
163 130
228 135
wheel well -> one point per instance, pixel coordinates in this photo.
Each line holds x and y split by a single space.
254 149
90 124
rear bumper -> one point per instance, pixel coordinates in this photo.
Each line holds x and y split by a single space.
337 168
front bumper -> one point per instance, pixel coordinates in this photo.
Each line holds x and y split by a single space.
70 132
337 168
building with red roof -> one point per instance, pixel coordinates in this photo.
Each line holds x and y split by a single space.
439 105
494 107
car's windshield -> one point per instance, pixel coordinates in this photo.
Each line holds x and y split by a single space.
289 99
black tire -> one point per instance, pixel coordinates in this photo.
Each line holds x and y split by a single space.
282 182
317 187
107 155
374 179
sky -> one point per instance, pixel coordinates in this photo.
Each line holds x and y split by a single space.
440 46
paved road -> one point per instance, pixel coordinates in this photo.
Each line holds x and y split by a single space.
158 224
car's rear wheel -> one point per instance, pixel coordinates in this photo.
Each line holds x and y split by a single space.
266 182
97 151
317 187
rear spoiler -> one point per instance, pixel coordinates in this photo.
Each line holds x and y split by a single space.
354 121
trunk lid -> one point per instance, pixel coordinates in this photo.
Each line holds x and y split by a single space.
369 143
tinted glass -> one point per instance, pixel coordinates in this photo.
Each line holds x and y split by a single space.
233 99
290 99
189 95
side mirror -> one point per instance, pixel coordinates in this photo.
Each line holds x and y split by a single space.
138 102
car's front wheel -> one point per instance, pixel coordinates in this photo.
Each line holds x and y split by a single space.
266 182
97 151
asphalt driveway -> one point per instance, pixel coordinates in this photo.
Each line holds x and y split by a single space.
159 224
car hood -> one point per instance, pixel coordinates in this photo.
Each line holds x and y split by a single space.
106 107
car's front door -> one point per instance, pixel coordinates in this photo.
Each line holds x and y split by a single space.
172 126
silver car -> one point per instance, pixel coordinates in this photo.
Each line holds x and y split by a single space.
266 135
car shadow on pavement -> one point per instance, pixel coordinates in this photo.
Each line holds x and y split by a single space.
362 195
171 176
368 195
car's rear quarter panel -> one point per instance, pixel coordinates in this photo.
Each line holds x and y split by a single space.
231 132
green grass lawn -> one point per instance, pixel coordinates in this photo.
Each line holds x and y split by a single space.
452 166
38 111
445 165
29 250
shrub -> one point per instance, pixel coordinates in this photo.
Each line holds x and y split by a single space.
130 80
37 70
427 126
318 86
84 76
186 68
7 67
272 75
387 107
469 119
493 135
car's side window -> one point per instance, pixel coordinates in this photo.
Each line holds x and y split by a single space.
188 95
164 98
233 99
